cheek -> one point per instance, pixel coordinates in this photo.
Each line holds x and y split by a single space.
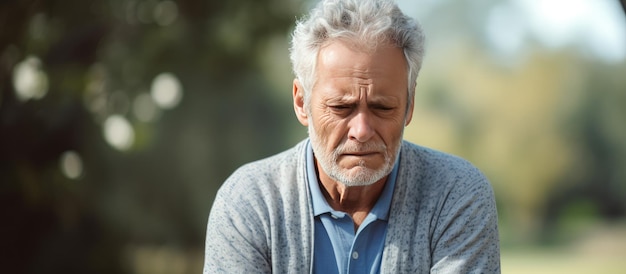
392 134
328 129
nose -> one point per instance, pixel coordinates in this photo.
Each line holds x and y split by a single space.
361 129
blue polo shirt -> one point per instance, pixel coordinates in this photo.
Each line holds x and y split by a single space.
337 248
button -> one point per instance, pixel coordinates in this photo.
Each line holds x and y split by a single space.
355 255
334 217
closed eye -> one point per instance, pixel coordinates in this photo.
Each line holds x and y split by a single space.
382 107
343 109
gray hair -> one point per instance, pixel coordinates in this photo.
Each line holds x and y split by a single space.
366 24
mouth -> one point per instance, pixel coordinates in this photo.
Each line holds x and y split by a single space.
360 154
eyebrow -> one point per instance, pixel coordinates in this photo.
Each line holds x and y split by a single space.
375 101
378 100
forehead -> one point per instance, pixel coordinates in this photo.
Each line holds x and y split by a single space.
380 56
342 63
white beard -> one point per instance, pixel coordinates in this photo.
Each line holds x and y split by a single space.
360 175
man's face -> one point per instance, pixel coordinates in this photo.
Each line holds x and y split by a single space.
357 112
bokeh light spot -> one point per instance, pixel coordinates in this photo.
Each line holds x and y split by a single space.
144 11
165 13
29 80
144 108
166 90
71 164
95 97
118 132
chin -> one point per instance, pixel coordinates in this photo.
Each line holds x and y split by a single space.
360 176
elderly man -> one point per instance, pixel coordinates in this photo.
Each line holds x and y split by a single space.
355 197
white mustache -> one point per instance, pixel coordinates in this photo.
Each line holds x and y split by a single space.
349 148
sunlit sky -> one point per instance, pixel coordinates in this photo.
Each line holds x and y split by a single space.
597 27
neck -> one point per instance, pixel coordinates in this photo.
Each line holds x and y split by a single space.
356 201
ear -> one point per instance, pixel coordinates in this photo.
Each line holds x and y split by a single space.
298 103
409 112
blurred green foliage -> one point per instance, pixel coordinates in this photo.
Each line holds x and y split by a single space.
158 193
546 127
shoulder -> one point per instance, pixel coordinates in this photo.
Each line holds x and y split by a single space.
433 163
267 174
273 166
440 174
258 211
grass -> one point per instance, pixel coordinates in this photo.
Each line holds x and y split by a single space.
601 251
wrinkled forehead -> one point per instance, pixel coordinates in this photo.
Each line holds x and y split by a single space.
341 65
384 57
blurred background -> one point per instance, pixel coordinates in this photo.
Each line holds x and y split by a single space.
120 119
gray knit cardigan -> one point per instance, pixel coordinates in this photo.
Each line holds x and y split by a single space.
442 218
